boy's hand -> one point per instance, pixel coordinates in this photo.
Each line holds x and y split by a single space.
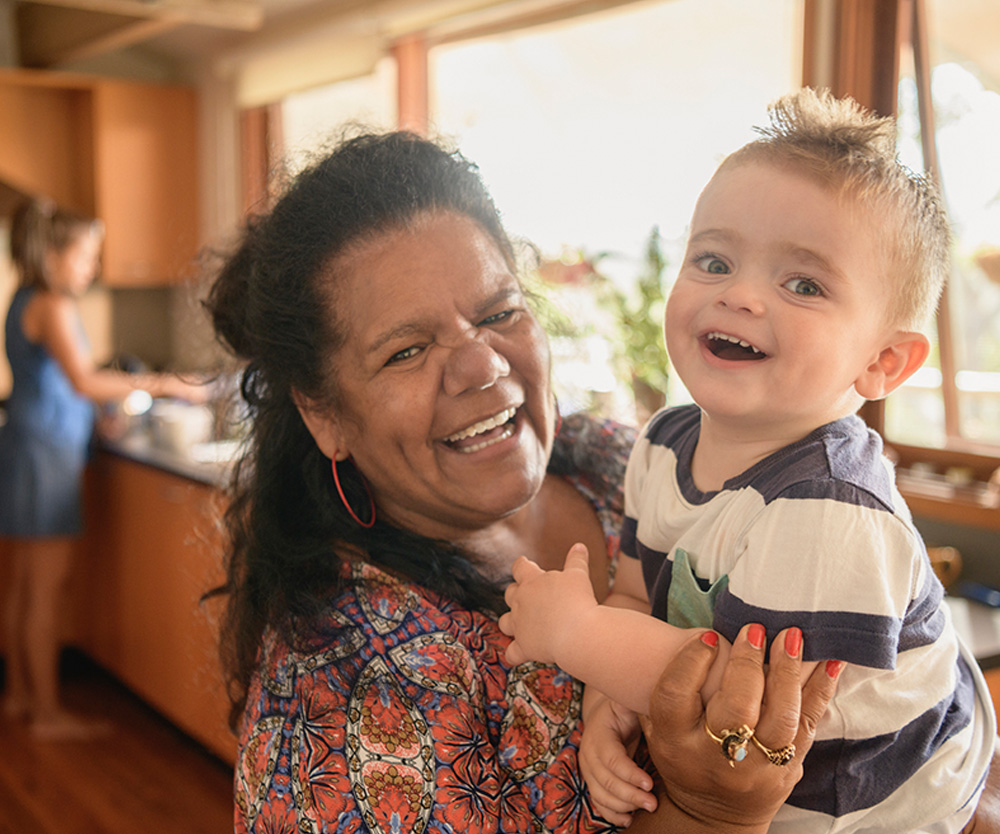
544 606
617 785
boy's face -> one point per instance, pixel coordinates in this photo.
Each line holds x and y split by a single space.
780 304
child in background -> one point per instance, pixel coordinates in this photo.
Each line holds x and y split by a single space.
44 446
814 260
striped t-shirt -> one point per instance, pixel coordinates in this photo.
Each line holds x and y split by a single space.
817 536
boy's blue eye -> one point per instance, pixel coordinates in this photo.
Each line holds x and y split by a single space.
803 286
713 265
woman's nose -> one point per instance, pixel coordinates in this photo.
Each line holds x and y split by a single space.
472 366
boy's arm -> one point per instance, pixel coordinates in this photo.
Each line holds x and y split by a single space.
555 618
629 588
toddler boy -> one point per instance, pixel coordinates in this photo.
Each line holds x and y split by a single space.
814 261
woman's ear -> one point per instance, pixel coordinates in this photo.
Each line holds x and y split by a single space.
894 364
323 426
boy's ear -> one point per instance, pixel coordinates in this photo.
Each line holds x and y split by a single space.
323 426
894 365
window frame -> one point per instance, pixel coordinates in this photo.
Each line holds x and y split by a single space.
855 48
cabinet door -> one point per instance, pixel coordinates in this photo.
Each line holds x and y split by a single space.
155 549
993 680
45 140
146 181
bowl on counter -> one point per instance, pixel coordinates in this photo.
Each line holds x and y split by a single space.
178 426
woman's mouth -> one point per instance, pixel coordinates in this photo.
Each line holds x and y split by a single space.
732 347
484 433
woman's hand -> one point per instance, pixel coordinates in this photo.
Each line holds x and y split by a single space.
702 791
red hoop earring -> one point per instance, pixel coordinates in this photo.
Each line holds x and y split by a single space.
343 498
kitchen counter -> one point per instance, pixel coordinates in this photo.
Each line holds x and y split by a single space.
154 547
979 627
207 463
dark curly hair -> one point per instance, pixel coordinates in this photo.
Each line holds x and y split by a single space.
272 306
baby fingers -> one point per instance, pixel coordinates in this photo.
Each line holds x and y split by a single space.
620 786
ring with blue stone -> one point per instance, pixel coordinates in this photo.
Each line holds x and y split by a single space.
733 742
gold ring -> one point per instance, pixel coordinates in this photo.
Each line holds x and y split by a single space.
732 742
779 757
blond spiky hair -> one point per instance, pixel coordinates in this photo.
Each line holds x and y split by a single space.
853 151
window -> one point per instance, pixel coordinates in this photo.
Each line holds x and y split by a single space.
594 131
954 400
312 118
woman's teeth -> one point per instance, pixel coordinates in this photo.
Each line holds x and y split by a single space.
484 426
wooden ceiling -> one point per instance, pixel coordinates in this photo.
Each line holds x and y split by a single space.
50 33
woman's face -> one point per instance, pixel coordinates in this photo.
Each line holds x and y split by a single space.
443 378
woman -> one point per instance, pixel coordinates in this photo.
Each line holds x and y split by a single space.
403 453
44 446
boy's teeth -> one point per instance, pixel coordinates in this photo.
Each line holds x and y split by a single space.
482 426
727 338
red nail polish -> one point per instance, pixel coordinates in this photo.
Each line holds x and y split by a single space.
793 642
756 634
834 668
710 638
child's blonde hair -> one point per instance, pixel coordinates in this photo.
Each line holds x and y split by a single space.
851 150
38 226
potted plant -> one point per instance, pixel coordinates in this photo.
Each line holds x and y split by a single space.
633 312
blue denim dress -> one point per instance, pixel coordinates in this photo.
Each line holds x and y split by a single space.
45 442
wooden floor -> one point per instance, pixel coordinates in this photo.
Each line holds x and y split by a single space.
144 776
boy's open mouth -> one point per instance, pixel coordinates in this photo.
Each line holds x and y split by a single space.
732 348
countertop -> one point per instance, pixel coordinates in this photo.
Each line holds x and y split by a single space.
206 463
979 627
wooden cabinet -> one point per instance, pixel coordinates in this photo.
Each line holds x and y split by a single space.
993 681
123 151
153 550
146 182
44 139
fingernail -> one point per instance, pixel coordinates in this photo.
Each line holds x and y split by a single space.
793 642
755 634
710 638
834 668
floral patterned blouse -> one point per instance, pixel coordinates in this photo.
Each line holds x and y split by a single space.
412 721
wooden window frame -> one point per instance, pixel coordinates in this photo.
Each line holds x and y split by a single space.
864 52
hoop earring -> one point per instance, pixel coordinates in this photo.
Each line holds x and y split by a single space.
343 498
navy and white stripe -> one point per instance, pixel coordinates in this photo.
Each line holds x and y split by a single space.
817 536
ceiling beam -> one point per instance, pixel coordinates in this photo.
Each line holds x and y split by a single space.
246 15
54 32
50 37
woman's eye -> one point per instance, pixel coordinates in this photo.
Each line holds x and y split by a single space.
803 286
497 317
713 265
402 355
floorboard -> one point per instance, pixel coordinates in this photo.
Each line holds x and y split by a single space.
145 775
